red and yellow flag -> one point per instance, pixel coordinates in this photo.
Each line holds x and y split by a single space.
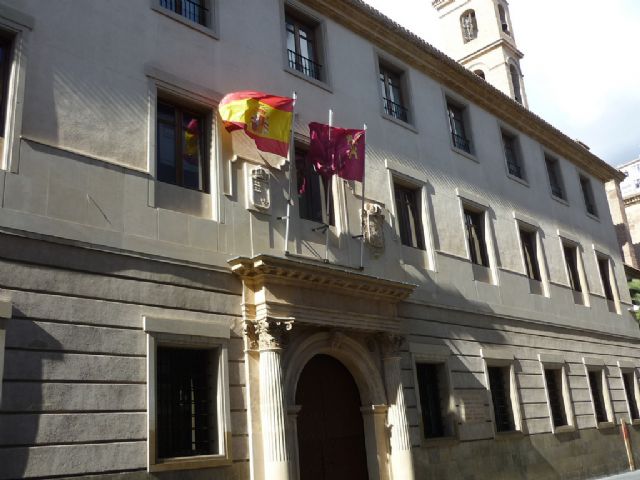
265 118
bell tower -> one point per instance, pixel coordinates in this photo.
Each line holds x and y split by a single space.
479 35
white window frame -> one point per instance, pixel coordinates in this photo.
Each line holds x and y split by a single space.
434 354
493 357
210 29
555 362
626 368
597 365
184 333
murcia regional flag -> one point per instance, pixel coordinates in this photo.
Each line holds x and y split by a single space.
265 118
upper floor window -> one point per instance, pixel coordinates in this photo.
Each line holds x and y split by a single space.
555 177
469 26
504 23
457 127
515 82
302 46
598 386
475 230
392 93
528 239
512 155
6 45
194 10
629 380
313 191
604 268
587 194
409 215
501 397
181 138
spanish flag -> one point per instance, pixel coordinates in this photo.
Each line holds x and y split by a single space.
265 118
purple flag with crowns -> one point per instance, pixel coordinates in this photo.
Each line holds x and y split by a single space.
337 151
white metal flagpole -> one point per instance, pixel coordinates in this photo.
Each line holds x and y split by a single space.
290 155
362 214
328 192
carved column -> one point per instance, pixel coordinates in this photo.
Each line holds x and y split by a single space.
401 459
272 410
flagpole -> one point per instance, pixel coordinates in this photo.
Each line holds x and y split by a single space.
289 156
362 213
329 195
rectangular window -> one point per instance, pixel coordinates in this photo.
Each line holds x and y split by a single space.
194 10
433 398
596 379
555 177
475 231
457 127
181 139
587 194
628 379
6 46
302 46
186 383
571 261
392 93
409 216
511 153
603 267
553 377
500 386
312 191
530 251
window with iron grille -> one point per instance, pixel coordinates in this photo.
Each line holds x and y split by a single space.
571 261
553 377
433 398
500 386
457 127
186 421
302 45
603 267
596 379
475 231
194 10
181 138
312 191
409 216
587 194
392 93
469 26
504 24
514 165
555 177
628 379
530 252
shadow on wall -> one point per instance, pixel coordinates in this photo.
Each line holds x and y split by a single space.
29 359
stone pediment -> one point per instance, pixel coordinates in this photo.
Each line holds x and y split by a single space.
318 294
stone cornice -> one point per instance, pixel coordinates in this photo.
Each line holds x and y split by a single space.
266 268
398 41
632 199
497 44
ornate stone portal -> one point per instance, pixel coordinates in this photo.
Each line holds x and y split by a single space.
295 309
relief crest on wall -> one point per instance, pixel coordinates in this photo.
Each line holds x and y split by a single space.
373 227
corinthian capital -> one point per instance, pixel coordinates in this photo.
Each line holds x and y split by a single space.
390 344
271 332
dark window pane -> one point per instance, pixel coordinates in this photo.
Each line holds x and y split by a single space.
186 408
595 383
192 148
556 399
553 169
194 10
474 224
587 194
302 48
530 252
630 391
511 154
312 191
571 259
457 127
603 266
5 71
392 98
409 216
430 386
500 385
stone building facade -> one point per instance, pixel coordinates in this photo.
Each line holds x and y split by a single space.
156 324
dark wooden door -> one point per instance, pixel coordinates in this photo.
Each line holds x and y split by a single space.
330 429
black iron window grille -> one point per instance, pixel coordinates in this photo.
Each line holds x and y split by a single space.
555 181
500 385
629 389
193 10
511 154
556 398
458 129
595 384
302 48
187 423
392 94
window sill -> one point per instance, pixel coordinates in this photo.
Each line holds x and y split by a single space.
509 435
465 154
481 273
593 217
635 422
440 442
606 425
519 180
535 287
560 200
397 121
318 83
564 429
190 463
209 32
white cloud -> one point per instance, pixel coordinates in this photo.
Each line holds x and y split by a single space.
581 69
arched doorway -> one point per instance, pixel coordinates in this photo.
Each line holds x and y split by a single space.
330 427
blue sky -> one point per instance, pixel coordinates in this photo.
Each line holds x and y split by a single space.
581 65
